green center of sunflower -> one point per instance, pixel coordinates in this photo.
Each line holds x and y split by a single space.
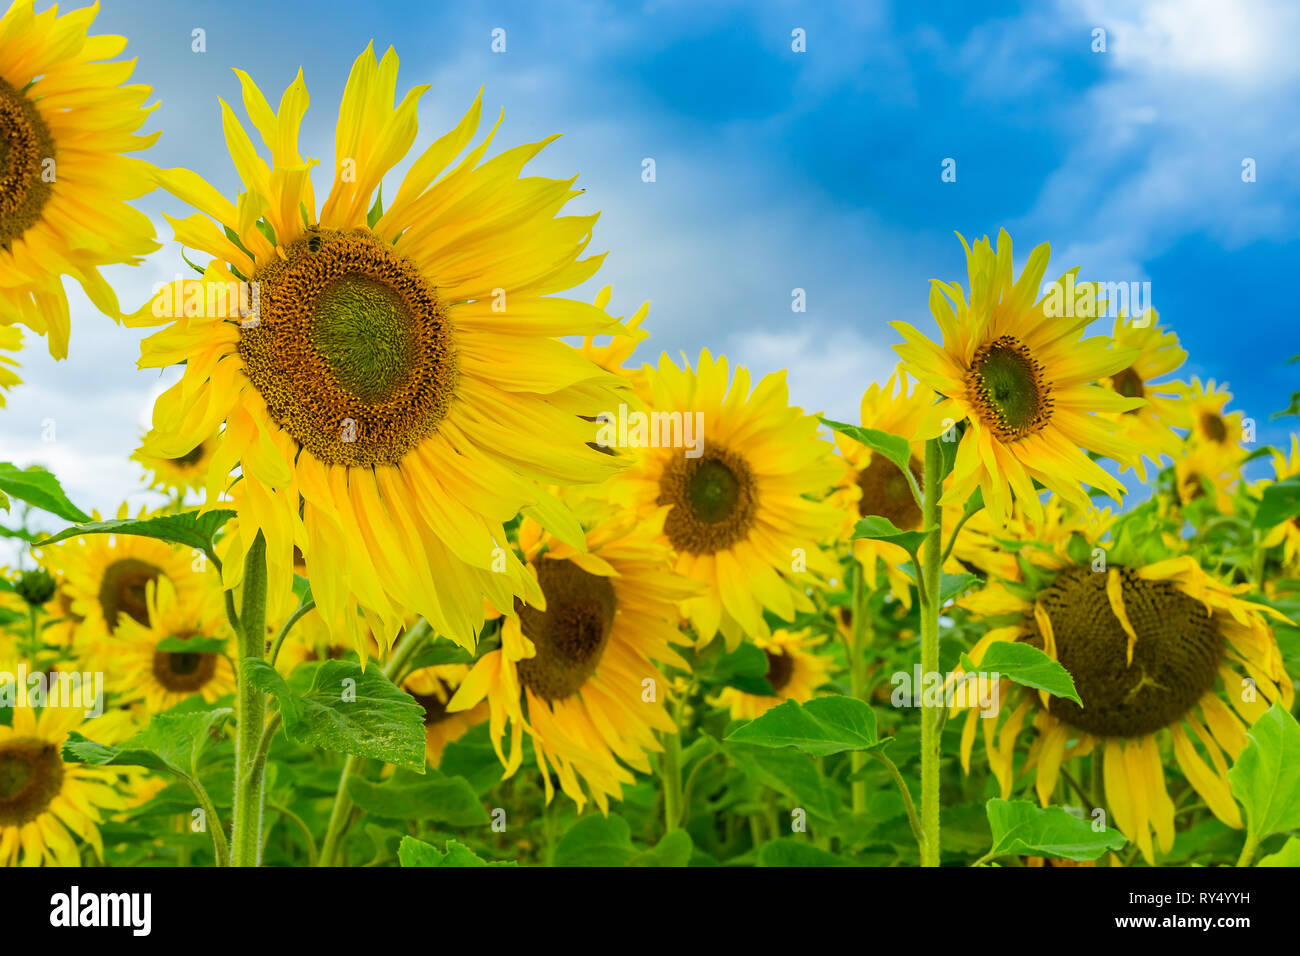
191 457
780 668
124 590
25 145
184 672
712 499
1214 427
1175 659
885 492
571 634
1129 384
352 351
1005 383
31 776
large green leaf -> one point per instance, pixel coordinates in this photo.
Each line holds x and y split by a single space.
745 668
821 726
189 528
788 851
173 742
792 774
413 852
1022 829
1027 665
348 709
39 488
1266 777
449 800
1289 855
882 529
894 447
596 841
1280 502
674 849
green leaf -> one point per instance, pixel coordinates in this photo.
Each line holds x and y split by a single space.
882 529
821 726
1289 855
1281 502
348 709
1026 665
38 488
673 850
894 447
189 528
788 851
449 800
441 652
794 775
1022 829
1266 777
172 742
377 210
4 501
745 668
596 841
413 852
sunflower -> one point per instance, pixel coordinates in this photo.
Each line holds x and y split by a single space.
1150 426
576 670
1208 471
162 678
794 670
177 476
11 340
65 122
105 578
1287 533
390 403
45 802
432 688
1022 377
1211 425
1155 648
747 514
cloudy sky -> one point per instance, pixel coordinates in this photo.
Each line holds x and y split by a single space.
776 170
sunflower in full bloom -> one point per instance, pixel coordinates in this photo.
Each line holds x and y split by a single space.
1287 533
45 802
178 476
576 670
11 340
66 119
794 670
1159 650
1149 426
1016 369
1210 422
745 510
138 666
104 579
1208 471
432 688
392 381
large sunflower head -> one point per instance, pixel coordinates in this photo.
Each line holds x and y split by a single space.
180 475
66 119
744 507
1156 649
179 654
392 380
1149 426
577 669
794 669
1014 367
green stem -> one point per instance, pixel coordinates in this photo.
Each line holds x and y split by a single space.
931 563
219 845
672 770
302 826
294 618
250 711
341 814
1248 851
856 650
907 796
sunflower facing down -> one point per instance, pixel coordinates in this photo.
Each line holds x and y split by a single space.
1150 426
577 669
1155 650
794 670
181 475
138 669
389 404
1023 379
432 688
66 119
748 513
45 802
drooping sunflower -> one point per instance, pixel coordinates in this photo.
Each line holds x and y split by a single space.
794 670
1013 365
1161 654
1287 533
432 688
576 670
138 666
392 381
105 578
11 340
178 476
66 121
1150 426
746 512
45 802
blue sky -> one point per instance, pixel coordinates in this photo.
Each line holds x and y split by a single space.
778 170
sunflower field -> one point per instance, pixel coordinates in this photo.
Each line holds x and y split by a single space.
444 566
